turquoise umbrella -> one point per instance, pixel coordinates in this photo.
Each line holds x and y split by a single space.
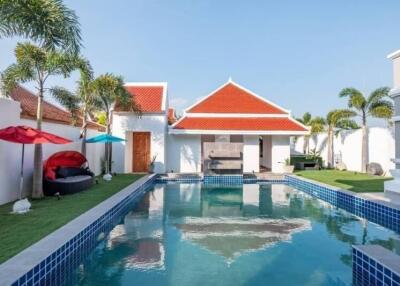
105 138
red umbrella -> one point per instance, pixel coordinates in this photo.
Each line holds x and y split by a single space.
28 135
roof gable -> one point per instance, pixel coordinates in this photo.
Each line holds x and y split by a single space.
149 96
233 98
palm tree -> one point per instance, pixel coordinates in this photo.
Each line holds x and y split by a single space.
110 91
337 120
315 124
81 103
375 105
49 23
35 64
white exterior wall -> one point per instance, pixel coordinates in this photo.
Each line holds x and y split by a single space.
10 153
280 151
123 126
347 145
184 153
251 154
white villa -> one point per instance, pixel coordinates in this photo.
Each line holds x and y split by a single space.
231 130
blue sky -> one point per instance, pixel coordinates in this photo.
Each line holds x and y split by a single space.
298 54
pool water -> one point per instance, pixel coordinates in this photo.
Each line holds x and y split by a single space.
252 234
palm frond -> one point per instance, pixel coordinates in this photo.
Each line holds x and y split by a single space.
59 63
381 109
110 89
317 125
47 22
67 99
306 118
356 98
337 115
347 124
378 94
15 74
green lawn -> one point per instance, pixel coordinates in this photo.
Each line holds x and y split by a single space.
17 232
352 181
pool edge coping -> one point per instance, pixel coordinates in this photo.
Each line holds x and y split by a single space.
354 194
18 265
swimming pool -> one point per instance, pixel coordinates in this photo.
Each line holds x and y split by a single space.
250 234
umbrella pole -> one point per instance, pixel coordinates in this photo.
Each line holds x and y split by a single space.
21 180
106 158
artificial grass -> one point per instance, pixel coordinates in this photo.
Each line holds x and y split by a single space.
18 231
352 181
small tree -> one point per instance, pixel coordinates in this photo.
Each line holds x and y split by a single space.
375 105
316 126
110 91
35 64
337 120
81 103
49 23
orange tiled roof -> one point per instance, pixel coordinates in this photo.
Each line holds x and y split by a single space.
171 116
233 99
149 98
240 123
51 113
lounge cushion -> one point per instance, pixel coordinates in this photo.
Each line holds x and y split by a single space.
73 179
64 172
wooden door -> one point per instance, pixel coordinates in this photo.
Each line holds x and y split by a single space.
140 151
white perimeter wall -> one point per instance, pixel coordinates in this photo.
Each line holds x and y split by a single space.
184 153
10 153
251 153
381 147
123 126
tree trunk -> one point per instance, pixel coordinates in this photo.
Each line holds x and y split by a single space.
364 148
108 145
306 140
84 131
330 147
37 191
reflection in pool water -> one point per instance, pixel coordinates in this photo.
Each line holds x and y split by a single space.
195 234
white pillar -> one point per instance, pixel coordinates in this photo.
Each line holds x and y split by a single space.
280 152
251 153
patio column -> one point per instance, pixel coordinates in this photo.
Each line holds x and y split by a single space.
251 154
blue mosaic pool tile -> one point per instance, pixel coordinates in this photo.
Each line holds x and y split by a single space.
58 267
373 211
225 179
194 179
369 270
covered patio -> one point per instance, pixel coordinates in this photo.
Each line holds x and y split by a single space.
232 131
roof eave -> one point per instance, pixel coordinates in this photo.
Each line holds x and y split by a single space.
236 132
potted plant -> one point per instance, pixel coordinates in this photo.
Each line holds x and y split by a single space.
152 163
315 156
287 168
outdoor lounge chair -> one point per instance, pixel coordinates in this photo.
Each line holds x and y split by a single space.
66 172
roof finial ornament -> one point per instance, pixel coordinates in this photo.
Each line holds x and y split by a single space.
230 79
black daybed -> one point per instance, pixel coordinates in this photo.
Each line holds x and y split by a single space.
65 173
